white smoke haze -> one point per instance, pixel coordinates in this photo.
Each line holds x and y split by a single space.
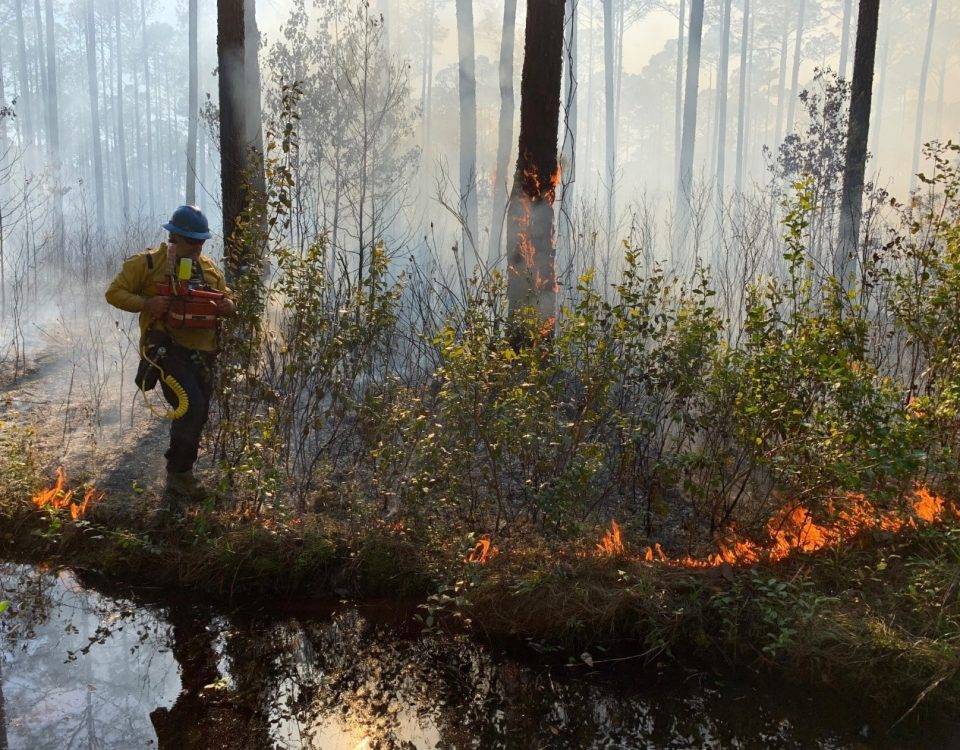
645 41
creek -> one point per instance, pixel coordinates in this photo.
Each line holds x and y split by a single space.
87 665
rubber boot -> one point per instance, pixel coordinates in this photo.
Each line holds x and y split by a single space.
184 485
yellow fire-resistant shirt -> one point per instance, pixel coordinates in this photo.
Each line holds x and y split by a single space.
137 281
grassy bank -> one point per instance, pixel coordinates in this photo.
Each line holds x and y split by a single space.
879 615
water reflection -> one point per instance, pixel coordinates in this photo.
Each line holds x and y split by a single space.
84 670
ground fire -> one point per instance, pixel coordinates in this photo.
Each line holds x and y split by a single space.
793 529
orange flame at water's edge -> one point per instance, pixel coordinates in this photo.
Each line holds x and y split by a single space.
792 530
58 498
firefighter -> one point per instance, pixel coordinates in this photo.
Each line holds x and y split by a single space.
188 355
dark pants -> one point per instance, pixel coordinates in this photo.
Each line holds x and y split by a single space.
194 371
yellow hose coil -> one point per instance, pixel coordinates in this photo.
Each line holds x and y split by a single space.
183 402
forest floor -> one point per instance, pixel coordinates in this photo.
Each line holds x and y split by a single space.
878 616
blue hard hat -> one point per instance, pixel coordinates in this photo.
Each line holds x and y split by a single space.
189 221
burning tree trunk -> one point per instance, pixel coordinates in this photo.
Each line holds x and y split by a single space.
531 276
742 102
241 167
858 131
468 132
685 181
191 191
91 44
504 130
922 95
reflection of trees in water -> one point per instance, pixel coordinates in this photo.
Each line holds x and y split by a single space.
82 670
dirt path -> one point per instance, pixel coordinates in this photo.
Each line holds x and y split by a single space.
88 417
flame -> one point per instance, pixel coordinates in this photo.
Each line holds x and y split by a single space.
793 529
59 498
482 551
611 545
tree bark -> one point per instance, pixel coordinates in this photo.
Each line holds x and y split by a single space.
504 130
531 275
230 57
121 127
678 100
722 84
241 149
610 119
685 181
858 131
568 158
742 101
795 78
845 37
468 134
922 95
192 104
91 44
25 95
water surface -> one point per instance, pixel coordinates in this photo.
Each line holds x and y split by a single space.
86 669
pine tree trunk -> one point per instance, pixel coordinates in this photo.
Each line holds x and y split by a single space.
151 168
609 69
91 44
42 88
781 89
531 276
742 101
922 95
253 113
877 117
192 103
121 126
230 57
468 134
53 136
845 37
568 160
795 78
426 86
858 131
685 182
504 130
26 97
722 85
678 100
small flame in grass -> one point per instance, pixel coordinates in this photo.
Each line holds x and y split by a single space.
793 529
611 545
482 551
59 498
